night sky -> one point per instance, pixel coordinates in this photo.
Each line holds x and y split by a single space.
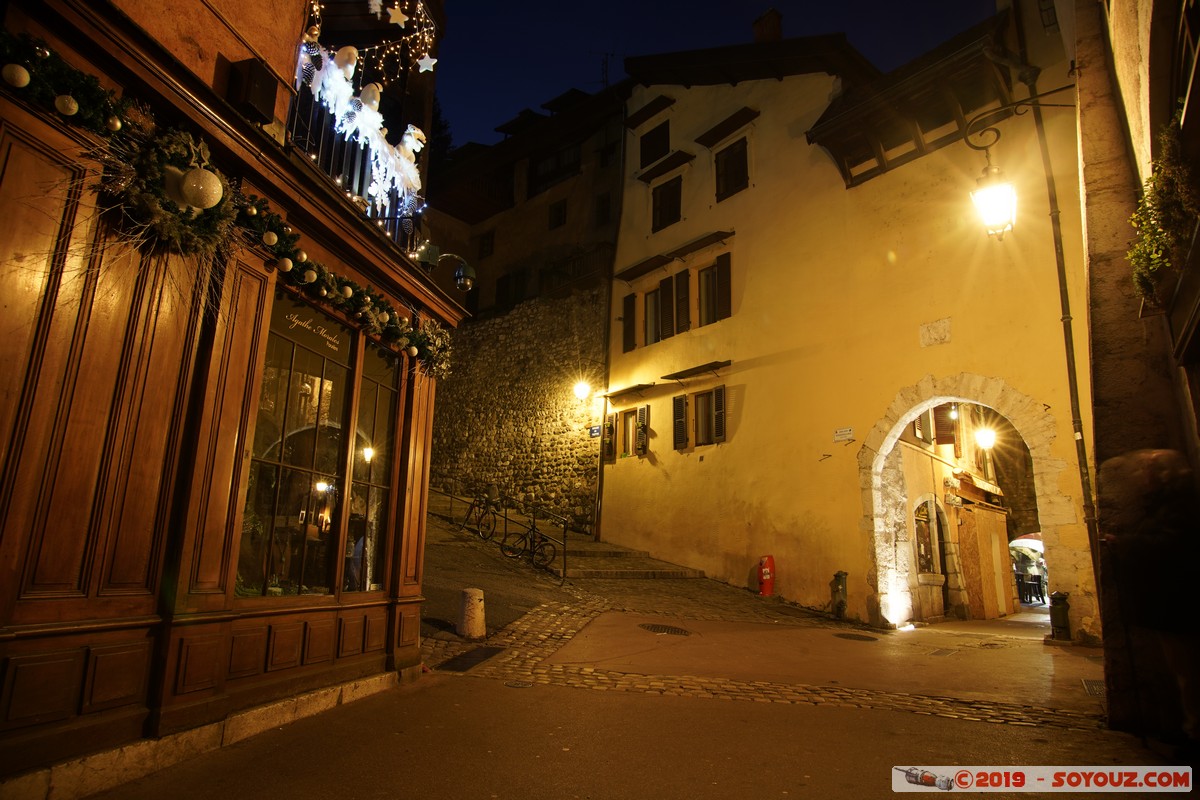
496 58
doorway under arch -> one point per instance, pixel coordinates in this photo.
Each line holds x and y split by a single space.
896 596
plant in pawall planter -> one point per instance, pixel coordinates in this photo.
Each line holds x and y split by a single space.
1165 219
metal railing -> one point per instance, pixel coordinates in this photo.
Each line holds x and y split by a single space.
311 129
517 521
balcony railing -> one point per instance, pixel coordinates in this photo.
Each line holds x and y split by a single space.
311 128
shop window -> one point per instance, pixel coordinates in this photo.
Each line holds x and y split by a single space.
732 168
667 199
297 483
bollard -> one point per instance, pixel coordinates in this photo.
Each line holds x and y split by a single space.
471 623
1060 621
837 592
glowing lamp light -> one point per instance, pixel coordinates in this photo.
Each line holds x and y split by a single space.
985 438
368 454
996 202
322 486
582 390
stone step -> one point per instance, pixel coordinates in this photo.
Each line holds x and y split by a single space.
602 551
623 567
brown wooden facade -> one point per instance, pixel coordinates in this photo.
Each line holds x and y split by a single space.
129 387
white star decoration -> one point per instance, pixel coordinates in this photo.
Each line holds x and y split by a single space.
426 63
397 16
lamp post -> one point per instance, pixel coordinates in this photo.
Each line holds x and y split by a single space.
999 222
429 256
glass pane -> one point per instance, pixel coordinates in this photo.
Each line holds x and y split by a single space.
301 555
704 418
365 542
256 527
365 446
305 388
332 414
380 366
385 436
377 527
272 399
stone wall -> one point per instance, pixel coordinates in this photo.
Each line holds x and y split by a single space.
508 414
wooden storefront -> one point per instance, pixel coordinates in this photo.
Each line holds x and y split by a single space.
184 530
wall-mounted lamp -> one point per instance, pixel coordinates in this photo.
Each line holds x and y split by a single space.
985 438
582 390
429 255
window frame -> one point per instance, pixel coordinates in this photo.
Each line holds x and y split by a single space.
666 204
654 144
727 185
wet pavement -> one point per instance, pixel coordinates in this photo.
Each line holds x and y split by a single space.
685 688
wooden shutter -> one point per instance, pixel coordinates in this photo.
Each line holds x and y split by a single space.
666 308
724 292
719 414
628 320
945 429
683 301
609 442
642 441
679 421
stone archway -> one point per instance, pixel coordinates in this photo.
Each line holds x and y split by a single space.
890 601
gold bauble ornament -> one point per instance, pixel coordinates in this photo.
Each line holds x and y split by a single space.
270 238
113 123
283 264
66 105
201 188
15 75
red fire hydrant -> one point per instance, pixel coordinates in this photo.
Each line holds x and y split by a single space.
766 576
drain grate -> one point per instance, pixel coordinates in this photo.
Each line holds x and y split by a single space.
943 652
856 637
1094 687
471 658
669 630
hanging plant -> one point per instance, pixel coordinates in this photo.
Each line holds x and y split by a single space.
1165 218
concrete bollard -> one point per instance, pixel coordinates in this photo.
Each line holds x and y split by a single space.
471 624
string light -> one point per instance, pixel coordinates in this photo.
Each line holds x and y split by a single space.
390 59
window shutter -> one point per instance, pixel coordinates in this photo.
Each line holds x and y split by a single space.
683 301
643 430
679 421
945 429
724 293
609 442
628 320
719 414
666 308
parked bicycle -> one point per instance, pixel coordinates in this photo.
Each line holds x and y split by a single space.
530 543
481 514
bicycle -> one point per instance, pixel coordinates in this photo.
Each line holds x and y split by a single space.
532 543
481 514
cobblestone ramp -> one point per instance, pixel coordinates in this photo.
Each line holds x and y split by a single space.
531 640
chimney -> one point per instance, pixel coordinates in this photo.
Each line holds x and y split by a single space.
769 27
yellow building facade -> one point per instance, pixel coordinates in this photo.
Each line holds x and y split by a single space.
788 301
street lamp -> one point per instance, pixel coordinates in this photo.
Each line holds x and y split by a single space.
988 136
995 200
429 256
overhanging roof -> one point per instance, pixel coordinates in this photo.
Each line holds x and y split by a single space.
654 262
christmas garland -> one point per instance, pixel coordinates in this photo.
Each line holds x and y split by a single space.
165 195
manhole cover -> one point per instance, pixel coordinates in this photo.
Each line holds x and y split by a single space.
943 652
1093 687
670 630
471 658
856 637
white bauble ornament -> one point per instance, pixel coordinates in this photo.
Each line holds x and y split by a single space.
370 96
412 350
67 106
301 256
15 75
283 264
113 123
310 275
347 292
201 188
384 317
270 238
